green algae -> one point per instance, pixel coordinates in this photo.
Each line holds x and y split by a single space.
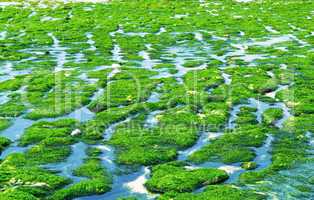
246 116
22 178
216 192
4 142
63 100
173 177
158 144
221 24
192 63
233 146
12 108
93 129
4 123
126 92
45 130
98 182
12 84
288 149
270 116
13 194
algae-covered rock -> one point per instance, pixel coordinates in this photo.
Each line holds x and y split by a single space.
174 177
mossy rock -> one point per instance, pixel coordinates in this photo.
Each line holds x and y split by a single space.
174 177
223 192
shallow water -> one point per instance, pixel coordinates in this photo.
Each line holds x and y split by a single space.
234 114
203 140
58 52
284 184
272 41
263 158
107 157
19 124
132 183
261 107
233 170
3 35
3 4
147 63
152 120
182 55
85 78
111 128
154 97
15 131
72 162
4 97
117 54
91 42
6 71
14 148
82 114
126 185
79 57
227 78
97 94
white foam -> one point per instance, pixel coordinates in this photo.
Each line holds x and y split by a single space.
230 169
198 36
116 70
3 35
137 185
161 30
